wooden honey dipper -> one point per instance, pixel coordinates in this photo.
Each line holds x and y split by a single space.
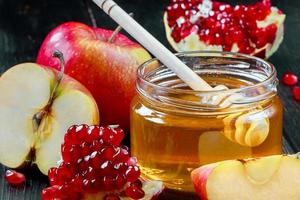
254 135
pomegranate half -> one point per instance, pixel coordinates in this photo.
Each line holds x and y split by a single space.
255 29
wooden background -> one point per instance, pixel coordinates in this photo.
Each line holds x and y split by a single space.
25 23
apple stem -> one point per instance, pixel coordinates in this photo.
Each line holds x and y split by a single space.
38 117
116 31
58 54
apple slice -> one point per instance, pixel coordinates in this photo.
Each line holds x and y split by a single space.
36 108
273 177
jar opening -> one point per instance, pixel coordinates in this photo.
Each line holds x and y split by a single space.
251 78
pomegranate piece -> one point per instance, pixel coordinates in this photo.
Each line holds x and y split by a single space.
289 79
14 178
93 161
255 29
296 92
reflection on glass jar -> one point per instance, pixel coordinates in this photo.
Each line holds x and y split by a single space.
174 129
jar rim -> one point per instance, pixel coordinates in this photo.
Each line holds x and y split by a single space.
269 79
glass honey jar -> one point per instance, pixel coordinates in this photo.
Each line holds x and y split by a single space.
175 129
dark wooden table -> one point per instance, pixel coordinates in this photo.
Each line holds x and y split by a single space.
25 23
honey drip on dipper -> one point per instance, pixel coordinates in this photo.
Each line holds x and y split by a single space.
247 128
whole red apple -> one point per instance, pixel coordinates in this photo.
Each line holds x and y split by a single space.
107 69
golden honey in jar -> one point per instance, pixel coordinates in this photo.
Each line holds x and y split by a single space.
175 129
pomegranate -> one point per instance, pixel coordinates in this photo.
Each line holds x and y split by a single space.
255 29
95 165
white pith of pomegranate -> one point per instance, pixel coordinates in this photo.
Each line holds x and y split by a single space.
255 29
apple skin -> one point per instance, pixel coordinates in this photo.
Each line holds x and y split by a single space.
199 177
108 70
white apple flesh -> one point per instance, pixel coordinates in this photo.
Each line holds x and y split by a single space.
25 91
273 177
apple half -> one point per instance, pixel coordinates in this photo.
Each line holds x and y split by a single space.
36 109
273 177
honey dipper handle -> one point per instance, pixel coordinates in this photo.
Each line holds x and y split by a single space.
153 45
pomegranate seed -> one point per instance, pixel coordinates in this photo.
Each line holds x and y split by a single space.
132 173
97 145
85 149
14 178
93 161
80 133
125 148
120 181
70 136
92 133
105 133
267 3
118 135
122 167
296 92
76 183
52 174
66 153
86 184
108 152
121 154
50 192
290 79
106 168
134 192
82 165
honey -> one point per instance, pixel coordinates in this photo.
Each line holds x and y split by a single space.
174 132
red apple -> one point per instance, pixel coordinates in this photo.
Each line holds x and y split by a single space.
107 69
